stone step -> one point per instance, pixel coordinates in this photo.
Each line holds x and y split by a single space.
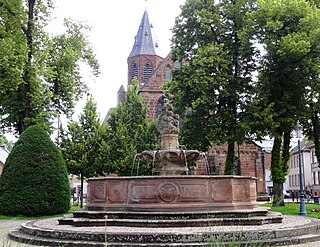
259 211
161 234
37 240
85 222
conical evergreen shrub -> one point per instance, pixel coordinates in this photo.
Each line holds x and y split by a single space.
34 181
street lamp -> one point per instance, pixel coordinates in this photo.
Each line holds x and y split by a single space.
298 130
238 168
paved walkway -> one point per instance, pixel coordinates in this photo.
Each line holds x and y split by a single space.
7 225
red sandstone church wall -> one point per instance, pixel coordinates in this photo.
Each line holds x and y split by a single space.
151 92
251 161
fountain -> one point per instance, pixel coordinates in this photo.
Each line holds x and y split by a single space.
173 195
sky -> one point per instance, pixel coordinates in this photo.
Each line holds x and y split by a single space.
114 26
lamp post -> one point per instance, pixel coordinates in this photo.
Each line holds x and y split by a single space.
238 168
298 130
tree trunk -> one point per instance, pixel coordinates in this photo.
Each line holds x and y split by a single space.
277 174
24 119
316 133
278 194
230 161
286 151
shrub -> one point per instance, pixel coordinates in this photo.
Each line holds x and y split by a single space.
34 181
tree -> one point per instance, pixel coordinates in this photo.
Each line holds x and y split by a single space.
129 133
215 42
40 74
34 181
312 119
81 144
289 32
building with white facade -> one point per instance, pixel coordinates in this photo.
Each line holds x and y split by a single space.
4 152
310 170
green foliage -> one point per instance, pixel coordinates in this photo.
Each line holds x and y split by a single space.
40 74
34 181
129 133
277 173
215 85
289 32
4 140
81 142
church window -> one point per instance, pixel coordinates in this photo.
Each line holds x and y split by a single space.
147 71
168 73
134 71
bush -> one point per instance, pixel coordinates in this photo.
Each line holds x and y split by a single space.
34 181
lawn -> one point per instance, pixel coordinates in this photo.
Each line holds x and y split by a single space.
294 209
2 217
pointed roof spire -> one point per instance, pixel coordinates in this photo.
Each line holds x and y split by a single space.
121 89
143 41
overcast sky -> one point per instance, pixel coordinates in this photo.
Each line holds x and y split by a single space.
114 26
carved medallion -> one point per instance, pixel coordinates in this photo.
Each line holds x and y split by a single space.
168 192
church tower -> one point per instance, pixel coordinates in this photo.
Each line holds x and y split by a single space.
150 69
143 59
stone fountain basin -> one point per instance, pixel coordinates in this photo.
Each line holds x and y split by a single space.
172 156
172 193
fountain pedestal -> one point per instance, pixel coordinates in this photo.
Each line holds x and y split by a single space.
169 142
172 193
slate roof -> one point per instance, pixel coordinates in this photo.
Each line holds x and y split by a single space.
121 89
143 41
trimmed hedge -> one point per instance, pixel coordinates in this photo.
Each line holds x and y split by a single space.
34 181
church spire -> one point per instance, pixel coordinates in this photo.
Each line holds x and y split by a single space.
143 41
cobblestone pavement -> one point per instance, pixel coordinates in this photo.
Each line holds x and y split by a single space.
7 225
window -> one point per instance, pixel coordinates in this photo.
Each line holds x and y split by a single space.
134 71
147 72
168 73
313 157
290 180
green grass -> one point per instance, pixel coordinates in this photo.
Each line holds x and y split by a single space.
3 217
294 209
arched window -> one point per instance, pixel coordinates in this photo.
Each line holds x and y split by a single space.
134 71
147 71
168 73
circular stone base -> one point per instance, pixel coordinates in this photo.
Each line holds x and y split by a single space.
293 230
